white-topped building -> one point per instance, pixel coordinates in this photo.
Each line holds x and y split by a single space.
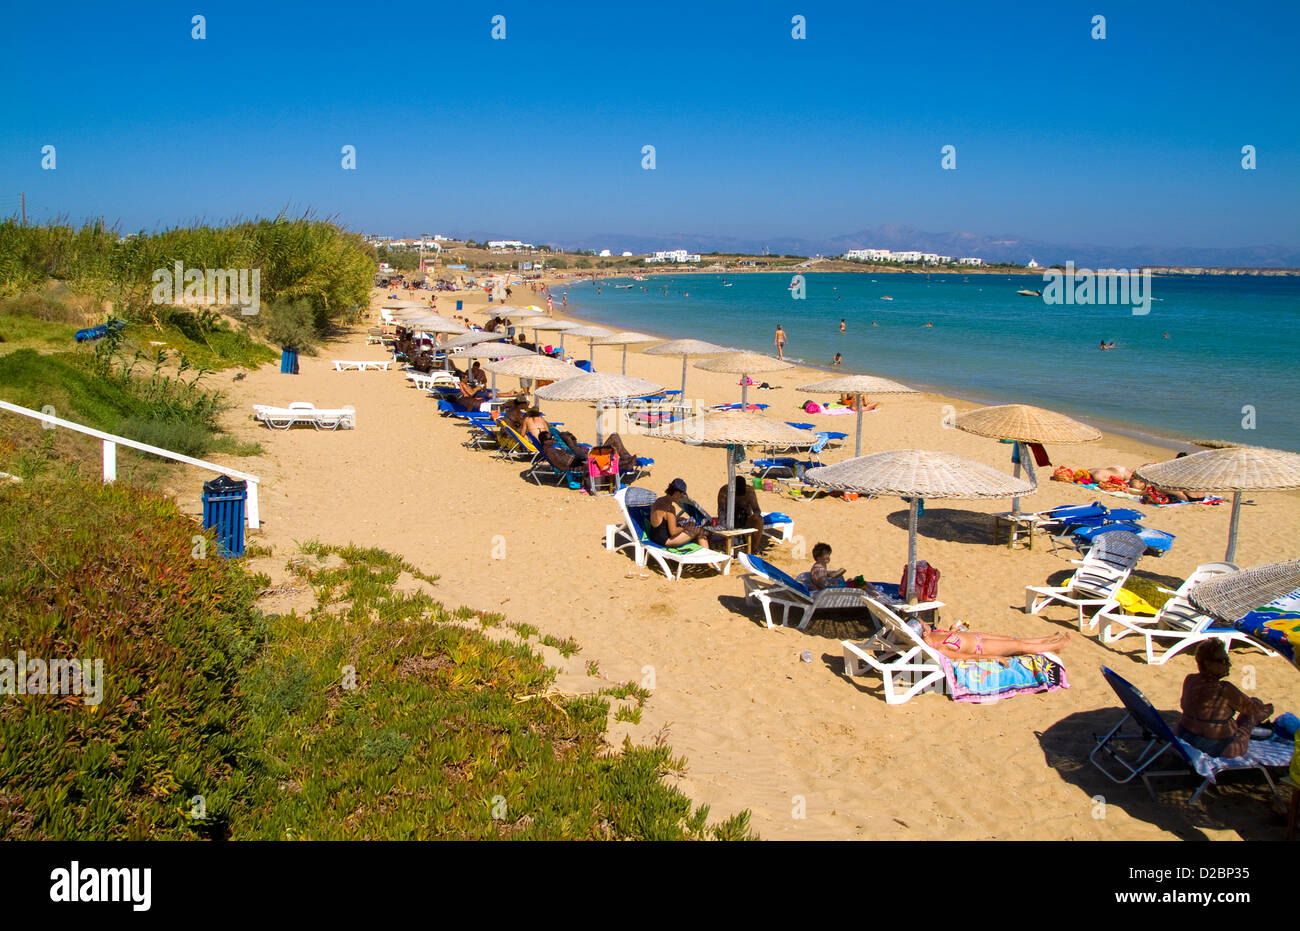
675 255
970 261
508 245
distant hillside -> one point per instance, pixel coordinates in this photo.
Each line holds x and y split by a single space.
990 248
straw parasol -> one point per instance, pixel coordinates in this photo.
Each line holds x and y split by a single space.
472 337
744 364
732 429
1025 424
1236 469
857 385
624 339
597 387
686 348
533 366
916 474
551 324
1232 596
488 350
590 334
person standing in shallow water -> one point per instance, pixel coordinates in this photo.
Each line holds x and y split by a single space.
779 339
842 327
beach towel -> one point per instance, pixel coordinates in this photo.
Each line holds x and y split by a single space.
986 681
1277 624
1093 486
1260 753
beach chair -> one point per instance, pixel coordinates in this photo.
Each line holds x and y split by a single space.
603 470
1101 574
1177 622
635 503
1154 739
282 418
907 664
770 586
790 467
510 443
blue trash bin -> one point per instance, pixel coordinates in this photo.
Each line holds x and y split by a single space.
460 305
288 361
224 501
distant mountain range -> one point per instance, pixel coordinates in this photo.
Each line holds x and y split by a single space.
989 248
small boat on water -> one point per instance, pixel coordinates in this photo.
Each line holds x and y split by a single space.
1028 293
886 298
621 287
727 284
638 278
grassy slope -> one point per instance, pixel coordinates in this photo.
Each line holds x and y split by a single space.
447 732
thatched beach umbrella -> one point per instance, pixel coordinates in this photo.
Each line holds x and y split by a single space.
531 365
686 348
1236 469
597 387
551 324
857 385
471 338
1025 424
488 349
743 364
732 429
590 334
916 474
624 339
1232 596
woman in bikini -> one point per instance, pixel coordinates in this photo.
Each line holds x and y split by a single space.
966 644
665 529
1208 704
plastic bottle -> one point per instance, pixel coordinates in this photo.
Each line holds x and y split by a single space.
806 656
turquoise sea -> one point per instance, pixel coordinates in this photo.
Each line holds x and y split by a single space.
1231 358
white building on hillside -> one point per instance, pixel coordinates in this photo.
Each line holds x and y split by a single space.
1033 264
906 256
675 255
869 255
604 253
508 245
970 261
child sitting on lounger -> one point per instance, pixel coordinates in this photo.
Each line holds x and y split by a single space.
821 576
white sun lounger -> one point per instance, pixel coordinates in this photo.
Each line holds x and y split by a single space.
427 380
1100 576
282 418
907 664
1177 622
769 586
341 365
632 534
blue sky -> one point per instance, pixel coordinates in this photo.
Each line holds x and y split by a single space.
1060 137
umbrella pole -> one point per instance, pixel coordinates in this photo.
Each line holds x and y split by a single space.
1232 527
600 440
731 489
683 397
744 392
857 442
591 353
1020 457
625 358
911 551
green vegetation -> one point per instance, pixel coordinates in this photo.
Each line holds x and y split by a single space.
369 717
299 260
104 572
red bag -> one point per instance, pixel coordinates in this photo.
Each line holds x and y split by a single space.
927 583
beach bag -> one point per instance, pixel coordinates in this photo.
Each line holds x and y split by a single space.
927 583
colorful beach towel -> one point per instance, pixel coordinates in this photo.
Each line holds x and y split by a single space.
1277 624
1093 486
986 681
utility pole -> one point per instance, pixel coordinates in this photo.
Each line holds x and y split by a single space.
23 195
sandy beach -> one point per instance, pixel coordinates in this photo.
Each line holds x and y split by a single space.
813 754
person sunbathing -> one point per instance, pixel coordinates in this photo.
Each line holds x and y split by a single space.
665 529
748 513
1208 703
968 645
535 424
577 452
851 402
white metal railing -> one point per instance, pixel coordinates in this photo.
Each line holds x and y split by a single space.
111 443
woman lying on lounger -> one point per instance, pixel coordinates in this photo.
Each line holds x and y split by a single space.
966 644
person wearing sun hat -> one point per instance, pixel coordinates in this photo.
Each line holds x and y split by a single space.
665 528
